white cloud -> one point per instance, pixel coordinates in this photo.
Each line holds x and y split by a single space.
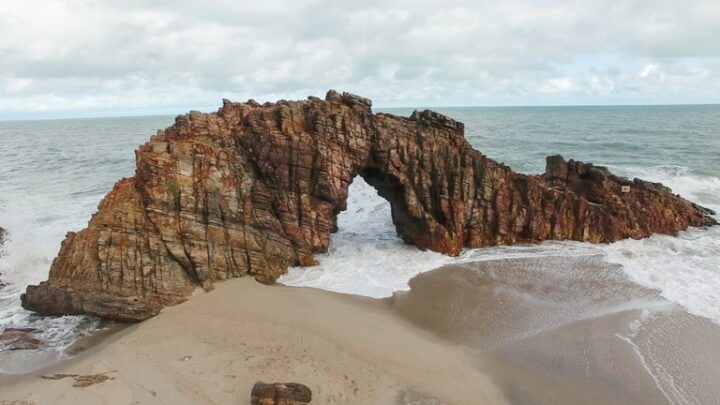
562 85
648 70
99 56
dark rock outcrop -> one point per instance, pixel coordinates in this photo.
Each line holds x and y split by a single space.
20 339
253 189
2 242
3 235
280 394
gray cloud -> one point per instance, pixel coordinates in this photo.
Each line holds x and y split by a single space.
100 56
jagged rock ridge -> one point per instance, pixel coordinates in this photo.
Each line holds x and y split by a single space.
253 189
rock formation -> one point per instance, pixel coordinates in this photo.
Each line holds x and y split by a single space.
20 339
253 189
3 235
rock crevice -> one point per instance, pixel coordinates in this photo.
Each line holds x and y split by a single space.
253 189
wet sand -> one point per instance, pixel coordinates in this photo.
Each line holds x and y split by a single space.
569 331
560 330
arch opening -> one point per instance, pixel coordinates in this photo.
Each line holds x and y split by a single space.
389 188
365 255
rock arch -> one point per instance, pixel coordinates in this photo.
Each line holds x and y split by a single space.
253 189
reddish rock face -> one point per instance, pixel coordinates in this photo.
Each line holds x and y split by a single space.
253 189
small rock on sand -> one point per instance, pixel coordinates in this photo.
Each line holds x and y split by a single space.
81 380
280 394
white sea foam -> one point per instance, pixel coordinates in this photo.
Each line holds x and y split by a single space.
33 242
685 269
367 258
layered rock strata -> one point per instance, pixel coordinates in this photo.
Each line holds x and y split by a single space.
253 189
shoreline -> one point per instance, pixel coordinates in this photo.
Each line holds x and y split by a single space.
19 363
567 331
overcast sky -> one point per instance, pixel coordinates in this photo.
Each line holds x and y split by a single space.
100 57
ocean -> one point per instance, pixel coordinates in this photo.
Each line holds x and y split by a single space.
53 173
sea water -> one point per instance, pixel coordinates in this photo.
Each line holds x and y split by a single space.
53 174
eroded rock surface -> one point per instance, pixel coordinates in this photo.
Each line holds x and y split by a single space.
253 189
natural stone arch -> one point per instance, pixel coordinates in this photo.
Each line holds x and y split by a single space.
253 189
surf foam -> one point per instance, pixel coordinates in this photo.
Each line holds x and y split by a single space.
685 269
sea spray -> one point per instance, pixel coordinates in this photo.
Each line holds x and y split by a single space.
53 174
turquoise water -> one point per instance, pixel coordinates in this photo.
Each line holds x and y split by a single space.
53 174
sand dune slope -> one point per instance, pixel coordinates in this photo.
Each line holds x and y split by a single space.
214 347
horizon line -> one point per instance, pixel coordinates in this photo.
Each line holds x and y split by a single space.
380 107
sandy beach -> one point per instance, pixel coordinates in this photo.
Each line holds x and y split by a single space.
561 330
213 348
